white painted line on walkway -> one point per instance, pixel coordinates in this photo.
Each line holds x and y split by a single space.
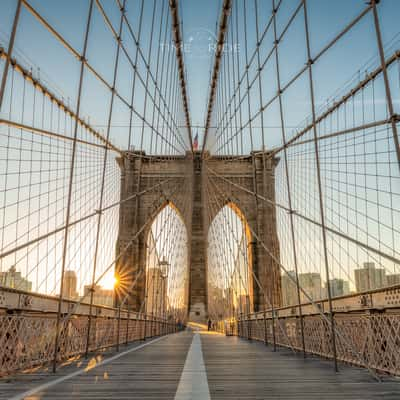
81 371
193 384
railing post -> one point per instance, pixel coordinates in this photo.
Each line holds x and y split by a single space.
118 326
319 182
144 326
70 188
265 329
288 185
151 326
273 329
127 327
104 166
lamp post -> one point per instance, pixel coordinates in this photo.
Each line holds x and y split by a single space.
164 270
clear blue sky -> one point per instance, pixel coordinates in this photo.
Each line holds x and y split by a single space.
199 23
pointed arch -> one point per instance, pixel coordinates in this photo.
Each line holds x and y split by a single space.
229 263
166 264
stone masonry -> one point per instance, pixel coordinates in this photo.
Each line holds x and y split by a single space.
149 183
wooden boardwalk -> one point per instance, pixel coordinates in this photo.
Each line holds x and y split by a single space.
232 369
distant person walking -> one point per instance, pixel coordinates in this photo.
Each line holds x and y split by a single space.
209 324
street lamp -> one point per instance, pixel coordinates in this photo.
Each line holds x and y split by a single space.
164 270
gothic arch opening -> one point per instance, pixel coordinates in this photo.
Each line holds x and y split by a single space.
229 264
166 287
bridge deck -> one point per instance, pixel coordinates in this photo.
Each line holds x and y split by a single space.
200 366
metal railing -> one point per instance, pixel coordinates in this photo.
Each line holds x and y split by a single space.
27 334
367 329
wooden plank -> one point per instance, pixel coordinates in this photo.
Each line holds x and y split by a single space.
150 373
241 369
236 369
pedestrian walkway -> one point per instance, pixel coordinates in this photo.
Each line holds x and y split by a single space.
200 365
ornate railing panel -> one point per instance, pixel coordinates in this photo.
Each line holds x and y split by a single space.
27 338
369 339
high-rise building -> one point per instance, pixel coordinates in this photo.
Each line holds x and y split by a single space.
156 289
13 279
70 282
369 277
101 296
339 287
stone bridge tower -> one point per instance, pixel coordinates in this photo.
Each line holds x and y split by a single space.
149 183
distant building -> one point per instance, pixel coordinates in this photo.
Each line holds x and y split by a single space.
393 279
311 283
289 289
369 277
339 287
70 282
156 287
13 279
101 296
216 301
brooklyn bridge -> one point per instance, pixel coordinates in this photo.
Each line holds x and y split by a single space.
199 200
